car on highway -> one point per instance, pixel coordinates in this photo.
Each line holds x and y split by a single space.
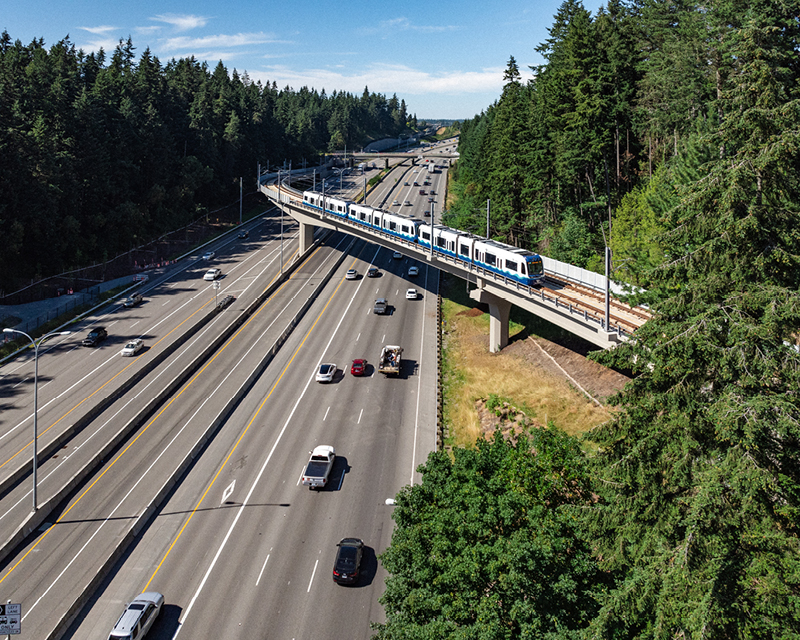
432 192
95 337
413 271
381 307
373 272
208 255
138 617
430 199
406 184
351 274
397 255
359 367
407 203
212 274
426 213
411 294
132 300
133 347
416 184
243 234
396 203
326 372
422 192
347 565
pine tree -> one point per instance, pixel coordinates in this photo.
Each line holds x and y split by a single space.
701 487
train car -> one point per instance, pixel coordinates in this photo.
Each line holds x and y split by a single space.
312 199
365 215
518 264
466 246
401 226
332 205
444 238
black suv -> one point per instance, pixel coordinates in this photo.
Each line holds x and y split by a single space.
95 337
348 561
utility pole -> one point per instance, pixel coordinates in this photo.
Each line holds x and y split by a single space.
488 203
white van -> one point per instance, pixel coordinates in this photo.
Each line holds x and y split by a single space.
138 617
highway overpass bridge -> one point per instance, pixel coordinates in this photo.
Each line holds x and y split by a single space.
574 306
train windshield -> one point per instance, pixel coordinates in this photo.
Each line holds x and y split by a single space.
535 266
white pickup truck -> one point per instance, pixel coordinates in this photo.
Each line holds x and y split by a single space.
319 466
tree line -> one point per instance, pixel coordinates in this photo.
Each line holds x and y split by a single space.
99 154
679 517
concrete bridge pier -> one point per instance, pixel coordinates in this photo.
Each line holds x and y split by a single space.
306 237
499 310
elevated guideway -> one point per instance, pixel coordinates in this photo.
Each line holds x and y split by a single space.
572 306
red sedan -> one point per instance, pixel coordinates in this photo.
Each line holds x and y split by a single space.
359 367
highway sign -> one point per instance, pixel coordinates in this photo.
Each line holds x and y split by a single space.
10 619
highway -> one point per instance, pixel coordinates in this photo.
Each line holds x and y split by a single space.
78 379
239 496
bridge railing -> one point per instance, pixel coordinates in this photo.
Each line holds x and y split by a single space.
294 198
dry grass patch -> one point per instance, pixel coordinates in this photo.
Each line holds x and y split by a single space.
472 374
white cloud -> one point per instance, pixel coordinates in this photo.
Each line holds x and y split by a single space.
145 31
107 44
237 40
181 22
386 79
404 24
98 31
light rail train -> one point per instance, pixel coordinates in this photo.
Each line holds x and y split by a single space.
511 262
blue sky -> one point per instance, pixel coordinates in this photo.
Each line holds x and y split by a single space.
445 59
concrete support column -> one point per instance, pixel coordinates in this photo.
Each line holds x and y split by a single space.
306 236
499 310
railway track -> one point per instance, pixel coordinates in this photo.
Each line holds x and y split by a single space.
593 303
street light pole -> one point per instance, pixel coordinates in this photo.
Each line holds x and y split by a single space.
36 346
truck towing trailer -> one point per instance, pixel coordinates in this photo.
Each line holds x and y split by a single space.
390 361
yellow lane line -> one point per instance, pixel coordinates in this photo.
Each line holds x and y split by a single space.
103 386
247 428
124 451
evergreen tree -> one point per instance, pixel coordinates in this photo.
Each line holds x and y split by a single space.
701 485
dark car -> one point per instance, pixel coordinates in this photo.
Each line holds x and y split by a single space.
243 234
359 367
95 337
373 272
348 561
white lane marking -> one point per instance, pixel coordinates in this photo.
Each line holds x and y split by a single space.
163 452
358 337
419 387
326 413
228 491
359 416
262 570
135 323
261 471
313 573
384 338
107 519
